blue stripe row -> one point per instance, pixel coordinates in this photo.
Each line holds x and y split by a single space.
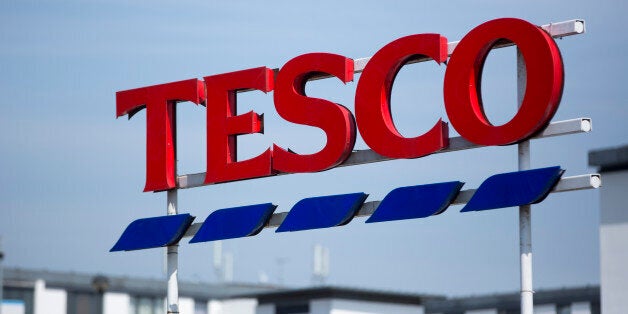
231 223
417 201
153 232
411 202
322 212
514 189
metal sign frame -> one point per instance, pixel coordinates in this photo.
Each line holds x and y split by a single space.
559 128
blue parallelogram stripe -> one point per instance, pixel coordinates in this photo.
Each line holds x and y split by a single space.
514 189
236 222
322 212
153 232
417 201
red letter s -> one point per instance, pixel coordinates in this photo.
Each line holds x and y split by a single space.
293 105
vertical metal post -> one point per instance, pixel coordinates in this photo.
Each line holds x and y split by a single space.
172 260
525 227
172 252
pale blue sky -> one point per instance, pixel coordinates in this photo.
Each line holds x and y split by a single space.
72 174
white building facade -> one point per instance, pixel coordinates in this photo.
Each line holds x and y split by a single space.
44 292
613 164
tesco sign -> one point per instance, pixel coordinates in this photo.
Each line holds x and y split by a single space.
462 100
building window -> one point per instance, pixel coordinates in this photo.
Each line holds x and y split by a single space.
25 295
84 303
293 309
147 305
200 306
563 309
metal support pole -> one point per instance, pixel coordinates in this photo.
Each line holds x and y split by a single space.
525 227
172 251
172 260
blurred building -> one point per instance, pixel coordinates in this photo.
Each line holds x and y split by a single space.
336 300
46 292
613 164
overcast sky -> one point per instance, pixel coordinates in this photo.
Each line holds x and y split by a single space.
72 174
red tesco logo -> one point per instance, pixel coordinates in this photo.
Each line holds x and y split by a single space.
373 119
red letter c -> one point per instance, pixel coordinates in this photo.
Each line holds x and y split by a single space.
372 98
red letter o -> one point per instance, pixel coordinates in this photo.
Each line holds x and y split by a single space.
544 82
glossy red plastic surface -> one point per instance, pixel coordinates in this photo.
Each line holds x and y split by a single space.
159 101
461 90
372 98
544 82
224 125
293 105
